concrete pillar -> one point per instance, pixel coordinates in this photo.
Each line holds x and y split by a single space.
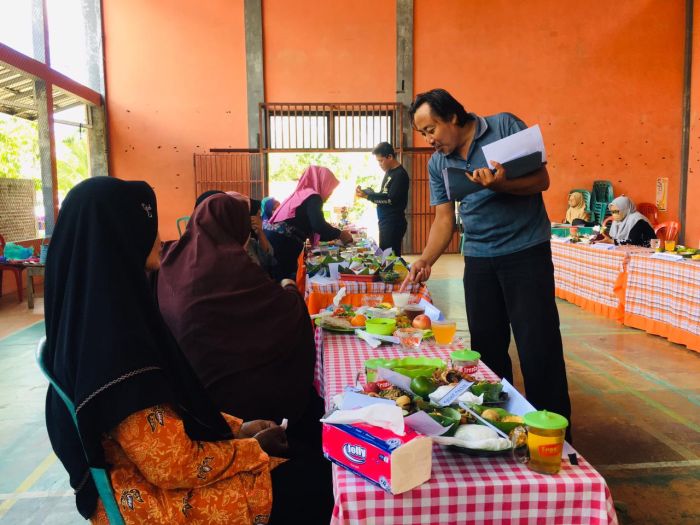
254 68
404 95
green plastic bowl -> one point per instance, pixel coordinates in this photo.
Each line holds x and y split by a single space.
371 366
416 366
380 326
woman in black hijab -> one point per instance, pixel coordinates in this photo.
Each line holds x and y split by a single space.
110 351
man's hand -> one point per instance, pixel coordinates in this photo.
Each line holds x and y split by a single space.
250 428
273 441
492 181
359 193
345 237
420 271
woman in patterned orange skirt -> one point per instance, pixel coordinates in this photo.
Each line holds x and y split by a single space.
142 413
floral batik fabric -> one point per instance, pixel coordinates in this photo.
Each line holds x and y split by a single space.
159 475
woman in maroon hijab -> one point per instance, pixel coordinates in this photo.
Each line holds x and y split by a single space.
248 339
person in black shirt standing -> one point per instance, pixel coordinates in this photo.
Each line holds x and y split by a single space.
391 199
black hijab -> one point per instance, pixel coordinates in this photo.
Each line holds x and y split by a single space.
107 345
204 196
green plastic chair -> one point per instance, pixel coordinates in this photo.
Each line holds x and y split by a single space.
99 476
182 220
603 191
600 211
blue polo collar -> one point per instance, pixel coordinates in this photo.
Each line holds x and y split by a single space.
481 127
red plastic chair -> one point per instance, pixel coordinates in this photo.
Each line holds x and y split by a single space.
667 231
15 269
650 211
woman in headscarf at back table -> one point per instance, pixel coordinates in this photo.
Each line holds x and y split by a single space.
142 413
628 225
268 206
576 209
258 247
299 217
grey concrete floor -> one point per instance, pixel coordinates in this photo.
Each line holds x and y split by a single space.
635 414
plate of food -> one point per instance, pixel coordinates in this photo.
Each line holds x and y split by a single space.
343 319
492 391
334 324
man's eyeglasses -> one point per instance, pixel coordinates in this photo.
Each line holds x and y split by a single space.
614 212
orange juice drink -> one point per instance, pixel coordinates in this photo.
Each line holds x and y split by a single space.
545 432
669 246
444 331
545 448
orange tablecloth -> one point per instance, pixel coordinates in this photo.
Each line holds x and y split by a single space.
591 278
663 298
319 296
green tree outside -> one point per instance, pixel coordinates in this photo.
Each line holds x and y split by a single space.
353 166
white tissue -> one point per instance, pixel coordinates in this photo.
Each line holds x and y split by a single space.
468 397
477 437
440 392
367 338
339 296
384 416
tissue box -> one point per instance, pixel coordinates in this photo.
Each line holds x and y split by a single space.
392 462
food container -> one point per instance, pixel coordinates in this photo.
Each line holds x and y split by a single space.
401 299
413 310
381 312
380 326
465 360
371 366
544 434
372 299
409 338
415 366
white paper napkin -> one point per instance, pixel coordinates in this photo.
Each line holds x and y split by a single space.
383 416
339 296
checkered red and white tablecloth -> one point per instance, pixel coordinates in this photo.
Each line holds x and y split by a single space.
463 489
318 296
663 298
592 278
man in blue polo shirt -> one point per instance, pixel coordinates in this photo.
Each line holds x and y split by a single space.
508 273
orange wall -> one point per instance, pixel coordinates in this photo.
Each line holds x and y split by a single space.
692 215
593 74
176 85
330 51
603 79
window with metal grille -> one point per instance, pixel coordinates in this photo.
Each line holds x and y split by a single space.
329 127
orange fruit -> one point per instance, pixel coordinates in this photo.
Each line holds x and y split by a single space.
358 320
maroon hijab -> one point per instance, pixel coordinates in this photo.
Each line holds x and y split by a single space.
249 341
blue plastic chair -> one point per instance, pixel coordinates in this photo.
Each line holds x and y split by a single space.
99 476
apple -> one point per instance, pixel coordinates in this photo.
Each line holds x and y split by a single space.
372 387
421 321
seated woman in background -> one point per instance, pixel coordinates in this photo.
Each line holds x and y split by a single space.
249 339
628 226
170 454
300 217
577 209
